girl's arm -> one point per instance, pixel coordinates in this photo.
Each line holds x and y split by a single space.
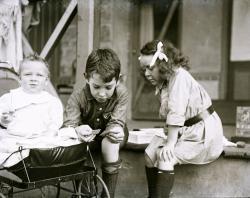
172 135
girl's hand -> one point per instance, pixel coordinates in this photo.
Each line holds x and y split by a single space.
115 134
84 133
166 153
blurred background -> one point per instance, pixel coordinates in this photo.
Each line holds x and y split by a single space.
215 34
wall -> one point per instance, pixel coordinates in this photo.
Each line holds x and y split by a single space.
201 40
68 51
240 50
115 32
38 35
112 29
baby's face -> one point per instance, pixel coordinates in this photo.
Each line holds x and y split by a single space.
99 89
34 76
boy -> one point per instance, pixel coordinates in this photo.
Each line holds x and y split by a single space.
101 104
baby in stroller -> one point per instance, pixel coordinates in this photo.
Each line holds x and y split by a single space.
29 116
35 151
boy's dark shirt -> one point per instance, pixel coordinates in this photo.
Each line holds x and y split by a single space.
82 108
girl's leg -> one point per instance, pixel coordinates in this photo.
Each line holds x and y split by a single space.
161 179
111 164
164 183
165 178
151 174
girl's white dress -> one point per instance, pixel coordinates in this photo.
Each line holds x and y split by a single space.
184 98
36 117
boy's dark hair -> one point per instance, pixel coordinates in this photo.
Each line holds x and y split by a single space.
34 57
104 62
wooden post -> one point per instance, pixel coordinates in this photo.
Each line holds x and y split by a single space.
168 19
146 23
85 33
61 27
27 49
146 35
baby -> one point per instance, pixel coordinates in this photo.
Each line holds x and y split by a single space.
29 116
29 111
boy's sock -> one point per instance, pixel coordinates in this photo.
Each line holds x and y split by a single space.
110 173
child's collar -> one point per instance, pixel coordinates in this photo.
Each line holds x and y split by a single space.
160 87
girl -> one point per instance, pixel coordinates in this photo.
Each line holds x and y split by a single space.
195 133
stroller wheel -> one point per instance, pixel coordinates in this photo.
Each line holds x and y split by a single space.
91 187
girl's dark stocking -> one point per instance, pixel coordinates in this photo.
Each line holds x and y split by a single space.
151 174
164 183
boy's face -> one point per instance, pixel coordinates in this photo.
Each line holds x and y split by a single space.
99 89
34 76
151 73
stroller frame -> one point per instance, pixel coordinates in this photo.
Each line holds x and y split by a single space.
83 178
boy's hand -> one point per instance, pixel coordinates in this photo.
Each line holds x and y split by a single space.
116 134
84 133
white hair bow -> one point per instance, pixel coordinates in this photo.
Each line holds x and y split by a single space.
158 54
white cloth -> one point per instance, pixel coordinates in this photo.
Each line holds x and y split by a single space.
184 98
10 145
34 114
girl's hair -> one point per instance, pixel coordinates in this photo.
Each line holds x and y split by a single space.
35 57
104 62
175 57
